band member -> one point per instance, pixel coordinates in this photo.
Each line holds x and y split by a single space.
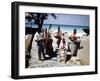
45 36
48 41
62 53
74 43
58 36
40 43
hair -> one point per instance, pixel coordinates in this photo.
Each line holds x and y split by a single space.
39 30
74 31
58 28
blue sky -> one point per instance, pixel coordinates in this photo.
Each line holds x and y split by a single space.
68 19
63 20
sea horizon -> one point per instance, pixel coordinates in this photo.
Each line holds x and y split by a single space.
63 28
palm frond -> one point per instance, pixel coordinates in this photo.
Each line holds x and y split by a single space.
54 15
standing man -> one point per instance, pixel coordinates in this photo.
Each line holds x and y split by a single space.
58 36
74 43
40 43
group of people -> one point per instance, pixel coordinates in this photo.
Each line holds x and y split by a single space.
44 42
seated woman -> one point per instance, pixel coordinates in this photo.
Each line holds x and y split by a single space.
62 53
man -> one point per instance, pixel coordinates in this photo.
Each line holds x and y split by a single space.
58 36
40 43
48 42
74 43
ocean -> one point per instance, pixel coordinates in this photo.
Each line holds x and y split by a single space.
63 28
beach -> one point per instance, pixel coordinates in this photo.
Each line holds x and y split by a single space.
82 55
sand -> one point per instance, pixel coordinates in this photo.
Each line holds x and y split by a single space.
83 55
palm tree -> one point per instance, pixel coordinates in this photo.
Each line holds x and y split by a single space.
38 19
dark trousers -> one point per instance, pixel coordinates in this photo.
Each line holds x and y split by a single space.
41 52
58 41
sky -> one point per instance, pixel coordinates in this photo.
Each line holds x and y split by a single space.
63 20
68 19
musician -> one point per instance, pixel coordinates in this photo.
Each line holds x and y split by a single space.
58 36
74 43
48 42
39 39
